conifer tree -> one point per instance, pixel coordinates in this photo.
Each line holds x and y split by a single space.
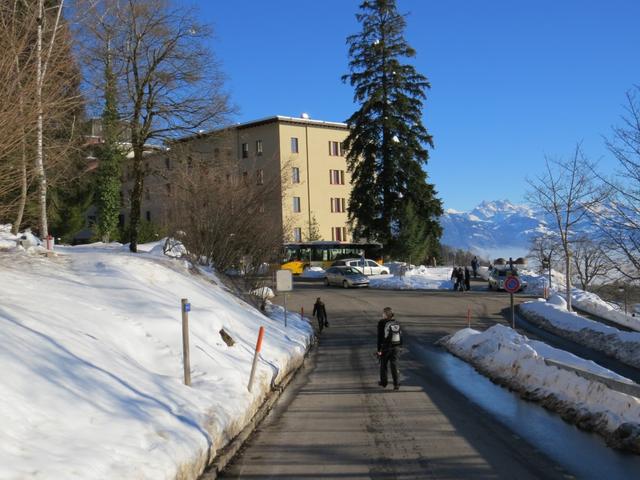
387 144
110 156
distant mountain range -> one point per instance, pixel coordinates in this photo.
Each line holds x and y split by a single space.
493 229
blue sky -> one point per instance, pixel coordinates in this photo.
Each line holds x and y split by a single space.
512 81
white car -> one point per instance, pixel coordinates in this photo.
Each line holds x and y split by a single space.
370 267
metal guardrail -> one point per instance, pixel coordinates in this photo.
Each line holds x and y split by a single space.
632 389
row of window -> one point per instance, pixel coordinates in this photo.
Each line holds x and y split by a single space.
336 149
338 234
338 205
336 177
245 149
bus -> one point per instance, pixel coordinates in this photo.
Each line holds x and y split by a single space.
297 256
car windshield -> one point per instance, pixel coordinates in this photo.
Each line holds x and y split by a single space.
351 271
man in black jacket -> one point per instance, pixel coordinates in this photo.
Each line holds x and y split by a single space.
389 342
320 312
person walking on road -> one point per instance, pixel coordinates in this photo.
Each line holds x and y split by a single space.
320 312
389 343
474 266
467 279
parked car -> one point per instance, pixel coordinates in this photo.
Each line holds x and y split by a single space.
497 276
370 267
345 277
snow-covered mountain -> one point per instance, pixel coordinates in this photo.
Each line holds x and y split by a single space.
493 229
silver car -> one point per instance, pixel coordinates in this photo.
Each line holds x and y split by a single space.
345 277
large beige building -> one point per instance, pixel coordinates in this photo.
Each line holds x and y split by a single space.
305 156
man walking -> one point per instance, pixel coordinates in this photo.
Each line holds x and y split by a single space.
389 343
320 312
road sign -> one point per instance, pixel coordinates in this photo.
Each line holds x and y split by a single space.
187 307
512 284
284 281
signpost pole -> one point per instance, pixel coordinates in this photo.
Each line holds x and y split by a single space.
186 307
285 310
513 314
284 284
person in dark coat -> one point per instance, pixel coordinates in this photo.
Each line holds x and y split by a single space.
467 279
454 278
388 349
320 312
460 279
474 266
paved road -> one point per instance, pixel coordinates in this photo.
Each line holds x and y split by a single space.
336 422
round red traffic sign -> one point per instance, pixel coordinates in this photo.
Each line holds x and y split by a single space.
512 284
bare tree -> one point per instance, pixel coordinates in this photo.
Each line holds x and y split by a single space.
619 220
170 84
566 191
37 79
226 219
590 262
544 249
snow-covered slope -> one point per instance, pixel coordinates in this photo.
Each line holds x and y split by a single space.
493 229
91 362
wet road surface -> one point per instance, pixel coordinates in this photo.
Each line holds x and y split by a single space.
446 421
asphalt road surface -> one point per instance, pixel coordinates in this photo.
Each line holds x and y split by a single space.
334 421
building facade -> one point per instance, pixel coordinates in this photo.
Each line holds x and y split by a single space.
304 156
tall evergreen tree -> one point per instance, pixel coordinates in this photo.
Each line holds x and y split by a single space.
387 144
108 179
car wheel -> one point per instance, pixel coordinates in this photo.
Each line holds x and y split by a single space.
384 272
345 284
326 282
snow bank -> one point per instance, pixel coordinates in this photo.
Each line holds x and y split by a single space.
519 363
553 316
593 304
92 383
417 278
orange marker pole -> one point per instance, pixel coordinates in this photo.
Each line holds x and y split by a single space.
469 317
255 357
301 313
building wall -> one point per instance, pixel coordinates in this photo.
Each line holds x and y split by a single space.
315 189
226 151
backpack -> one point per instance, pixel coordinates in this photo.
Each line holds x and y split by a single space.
393 333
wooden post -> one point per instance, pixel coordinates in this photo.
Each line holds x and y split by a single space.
185 341
255 358
301 313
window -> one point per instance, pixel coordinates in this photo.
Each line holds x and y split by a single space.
167 163
335 149
121 220
296 204
147 194
294 144
148 215
336 177
339 234
260 177
245 150
261 208
337 205
245 175
259 148
295 175
168 188
297 234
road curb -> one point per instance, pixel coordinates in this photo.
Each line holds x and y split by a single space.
226 454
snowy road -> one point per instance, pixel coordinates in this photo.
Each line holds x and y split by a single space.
336 422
